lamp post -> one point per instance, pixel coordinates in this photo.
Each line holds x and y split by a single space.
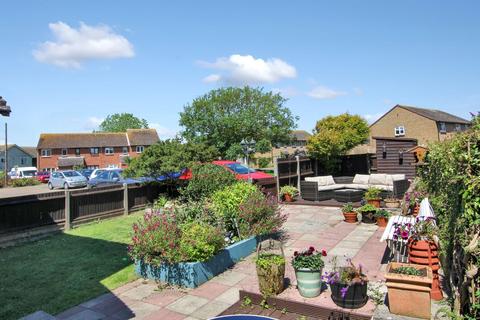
5 111
248 146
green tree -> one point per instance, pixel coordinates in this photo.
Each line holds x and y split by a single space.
120 122
223 117
334 136
167 157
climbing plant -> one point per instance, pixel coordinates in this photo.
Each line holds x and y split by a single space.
451 177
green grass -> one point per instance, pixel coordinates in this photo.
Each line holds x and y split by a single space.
63 270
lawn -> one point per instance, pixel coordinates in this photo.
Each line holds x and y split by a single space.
63 270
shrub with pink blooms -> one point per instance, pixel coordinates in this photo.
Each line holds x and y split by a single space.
309 259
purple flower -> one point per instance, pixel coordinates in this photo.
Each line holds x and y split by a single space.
343 292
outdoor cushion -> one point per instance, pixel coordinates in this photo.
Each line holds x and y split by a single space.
394 177
331 187
358 186
382 187
378 178
361 178
321 180
329 181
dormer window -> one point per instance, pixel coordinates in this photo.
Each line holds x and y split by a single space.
399 131
443 127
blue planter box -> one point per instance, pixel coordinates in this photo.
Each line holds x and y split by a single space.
193 274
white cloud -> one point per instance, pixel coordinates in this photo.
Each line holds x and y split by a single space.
242 70
73 46
371 118
163 132
322 92
286 92
93 123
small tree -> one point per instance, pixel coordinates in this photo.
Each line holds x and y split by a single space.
120 122
335 135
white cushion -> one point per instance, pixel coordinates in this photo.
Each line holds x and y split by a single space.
378 178
361 178
321 180
394 177
331 187
382 187
329 181
357 186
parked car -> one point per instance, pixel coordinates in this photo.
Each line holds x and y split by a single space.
240 171
43 176
66 179
97 172
86 172
112 177
23 172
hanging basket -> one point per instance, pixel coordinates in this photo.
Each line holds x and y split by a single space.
270 265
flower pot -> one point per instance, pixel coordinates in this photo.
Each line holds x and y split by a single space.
425 253
405 289
382 222
350 217
309 282
374 202
368 217
271 281
355 296
287 197
392 203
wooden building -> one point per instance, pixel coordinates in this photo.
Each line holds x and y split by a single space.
393 156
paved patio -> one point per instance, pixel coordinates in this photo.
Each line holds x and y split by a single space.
321 227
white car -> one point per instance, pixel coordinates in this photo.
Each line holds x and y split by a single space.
66 179
24 172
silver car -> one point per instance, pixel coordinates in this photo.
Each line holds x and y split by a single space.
66 179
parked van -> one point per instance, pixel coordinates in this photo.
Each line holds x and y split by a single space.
23 172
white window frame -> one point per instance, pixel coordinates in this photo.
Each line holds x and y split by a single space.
139 149
442 127
124 150
46 153
94 151
399 131
79 151
64 152
109 151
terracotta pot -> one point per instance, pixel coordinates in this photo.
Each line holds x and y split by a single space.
409 295
374 202
382 222
350 217
425 253
392 204
287 197
415 210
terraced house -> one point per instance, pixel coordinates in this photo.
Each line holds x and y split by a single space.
59 151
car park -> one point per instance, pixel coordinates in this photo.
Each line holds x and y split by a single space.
66 179
86 172
112 177
43 176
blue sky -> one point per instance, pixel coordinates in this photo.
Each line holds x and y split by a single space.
65 65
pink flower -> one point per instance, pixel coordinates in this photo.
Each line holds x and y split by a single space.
324 253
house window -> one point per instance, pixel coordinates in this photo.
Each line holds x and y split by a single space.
2 160
23 160
93 150
92 167
125 150
77 151
46 152
458 127
108 150
443 127
64 152
399 131
139 149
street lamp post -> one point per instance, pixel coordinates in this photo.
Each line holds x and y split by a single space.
5 111
248 146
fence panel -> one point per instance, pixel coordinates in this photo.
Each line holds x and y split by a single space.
94 202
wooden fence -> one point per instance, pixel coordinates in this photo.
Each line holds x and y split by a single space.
64 208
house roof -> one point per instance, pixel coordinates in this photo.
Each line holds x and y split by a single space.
97 139
10 146
435 115
32 151
301 135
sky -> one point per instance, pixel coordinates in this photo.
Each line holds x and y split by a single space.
66 65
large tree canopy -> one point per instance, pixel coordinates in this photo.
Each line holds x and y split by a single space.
223 117
120 122
335 135
169 156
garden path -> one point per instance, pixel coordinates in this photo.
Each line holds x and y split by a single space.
321 227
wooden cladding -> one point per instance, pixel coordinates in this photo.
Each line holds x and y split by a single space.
392 156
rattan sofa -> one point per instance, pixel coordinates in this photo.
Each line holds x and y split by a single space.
323 187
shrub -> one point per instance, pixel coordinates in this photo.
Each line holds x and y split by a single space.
367 208
290 190
156 239
264 162
23 182
373 193
382 213
260 215
200 241
226 202
206 179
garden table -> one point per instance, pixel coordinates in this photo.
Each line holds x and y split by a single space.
398 247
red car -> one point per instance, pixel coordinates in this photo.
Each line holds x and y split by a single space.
239 170
43 176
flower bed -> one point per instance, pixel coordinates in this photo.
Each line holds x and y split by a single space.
193 274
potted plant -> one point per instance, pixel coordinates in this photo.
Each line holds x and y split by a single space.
391 202
308 267
407 283
349 213
423 250
288 193
348 285
382 216
372 195
412 199
270 272
368 213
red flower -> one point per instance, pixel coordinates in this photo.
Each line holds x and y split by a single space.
311 249
295 253
324 253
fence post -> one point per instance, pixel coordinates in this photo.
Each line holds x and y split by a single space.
299 176
125 199
67 210
275 172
